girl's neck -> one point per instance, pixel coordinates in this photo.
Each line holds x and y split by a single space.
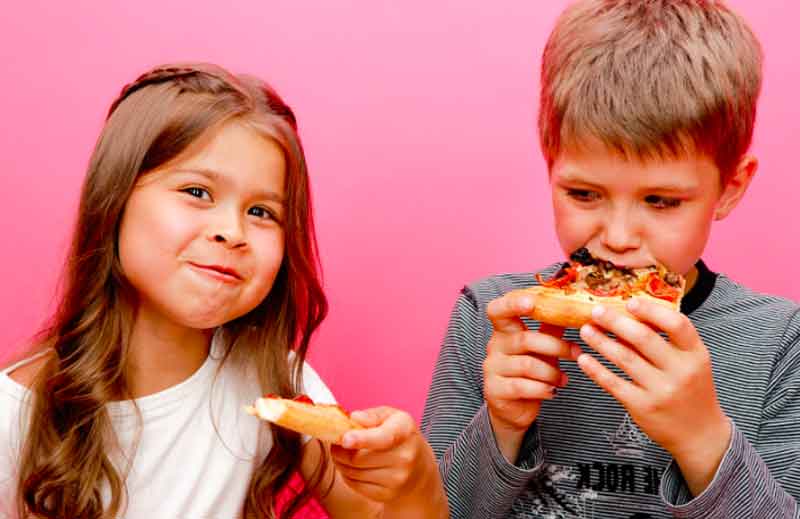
162 353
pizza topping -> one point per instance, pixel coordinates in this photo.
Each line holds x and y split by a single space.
299 398
673 279
582 256
661 289
604 279
563 278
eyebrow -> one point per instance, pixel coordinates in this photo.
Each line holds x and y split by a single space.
215 176
673 187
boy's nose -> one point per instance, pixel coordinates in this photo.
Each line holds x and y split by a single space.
620 234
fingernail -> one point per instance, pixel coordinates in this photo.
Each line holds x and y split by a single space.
348 441
598 310
358 415
525 303
587 330
633 304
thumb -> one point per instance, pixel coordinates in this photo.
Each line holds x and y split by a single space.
372 417
504 312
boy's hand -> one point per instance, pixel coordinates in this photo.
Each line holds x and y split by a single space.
390 462
520 370
671 394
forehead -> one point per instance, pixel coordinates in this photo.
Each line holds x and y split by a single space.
237 146
601 165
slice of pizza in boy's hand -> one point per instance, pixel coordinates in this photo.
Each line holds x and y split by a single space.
327 422
567 299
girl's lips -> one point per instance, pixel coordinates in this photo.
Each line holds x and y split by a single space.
220 272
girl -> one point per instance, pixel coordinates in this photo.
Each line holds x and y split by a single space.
192 288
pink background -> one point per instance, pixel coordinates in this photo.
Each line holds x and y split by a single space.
418 117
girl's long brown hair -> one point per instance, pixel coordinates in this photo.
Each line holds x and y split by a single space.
66 457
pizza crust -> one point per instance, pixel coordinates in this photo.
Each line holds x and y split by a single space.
554 306
323 421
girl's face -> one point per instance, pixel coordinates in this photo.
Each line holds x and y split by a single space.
201 238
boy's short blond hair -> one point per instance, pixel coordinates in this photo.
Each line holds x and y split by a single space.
651 78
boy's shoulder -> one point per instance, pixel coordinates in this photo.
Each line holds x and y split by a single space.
749 313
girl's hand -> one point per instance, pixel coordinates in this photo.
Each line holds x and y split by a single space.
390 462
671 393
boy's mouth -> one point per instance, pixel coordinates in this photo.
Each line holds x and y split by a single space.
617 261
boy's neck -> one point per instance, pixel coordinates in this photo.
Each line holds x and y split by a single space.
162 354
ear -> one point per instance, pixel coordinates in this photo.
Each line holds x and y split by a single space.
736 186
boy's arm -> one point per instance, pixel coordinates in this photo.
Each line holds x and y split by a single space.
759 481
478 480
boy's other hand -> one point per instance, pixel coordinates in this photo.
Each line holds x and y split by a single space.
520 370
390 462
671 394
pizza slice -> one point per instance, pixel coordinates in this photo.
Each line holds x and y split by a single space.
567 299
327 422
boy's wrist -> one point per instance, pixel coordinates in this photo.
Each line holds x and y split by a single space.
700 458
509 439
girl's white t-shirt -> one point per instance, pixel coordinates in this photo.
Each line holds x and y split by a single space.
197 447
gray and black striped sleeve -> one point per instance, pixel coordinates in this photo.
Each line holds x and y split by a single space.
757 481
479 482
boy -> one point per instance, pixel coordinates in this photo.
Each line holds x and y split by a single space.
646 116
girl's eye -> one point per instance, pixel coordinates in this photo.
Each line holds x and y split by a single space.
261 212
583 195
198 192
662 202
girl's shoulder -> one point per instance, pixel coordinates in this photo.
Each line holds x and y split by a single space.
24 372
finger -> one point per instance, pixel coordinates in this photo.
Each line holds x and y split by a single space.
516 388
528 366
533 342
678 327
625 392
385 477
623 356
372 417
394 430
635 333
370 490
363 459
557 332
504 312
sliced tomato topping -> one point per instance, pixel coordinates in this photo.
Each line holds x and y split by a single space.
659 288
298 398
569 277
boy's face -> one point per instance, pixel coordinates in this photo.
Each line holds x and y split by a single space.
637 213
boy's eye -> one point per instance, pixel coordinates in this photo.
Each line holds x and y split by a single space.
198 192
662 202
583 195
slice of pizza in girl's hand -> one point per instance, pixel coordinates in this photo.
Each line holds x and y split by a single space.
327 422
567 299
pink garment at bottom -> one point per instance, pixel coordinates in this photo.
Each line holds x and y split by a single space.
311 510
